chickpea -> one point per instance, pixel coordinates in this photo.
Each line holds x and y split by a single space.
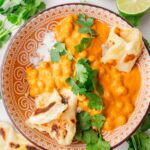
40 85
33 73
107 94
34 91
107 126
32 81
96 64
119 104
91 58
128 108
120 90
120 120
44 65
82 54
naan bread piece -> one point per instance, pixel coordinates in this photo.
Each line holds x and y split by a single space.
122 48
63 129
10 140
49 107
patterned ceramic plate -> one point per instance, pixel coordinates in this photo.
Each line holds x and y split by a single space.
16 60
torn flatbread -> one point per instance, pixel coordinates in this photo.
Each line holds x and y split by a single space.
122 48
10 140
49 107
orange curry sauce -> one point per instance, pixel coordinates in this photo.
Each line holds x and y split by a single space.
120 89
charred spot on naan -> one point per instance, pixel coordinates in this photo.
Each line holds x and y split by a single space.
28 147
129 57
14 145
2 133
43 110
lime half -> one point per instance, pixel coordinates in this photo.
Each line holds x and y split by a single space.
133 7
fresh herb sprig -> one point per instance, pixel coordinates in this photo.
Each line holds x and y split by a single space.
16 14
5 34
140 139
85 83
86 24
84 43
86 134
59 50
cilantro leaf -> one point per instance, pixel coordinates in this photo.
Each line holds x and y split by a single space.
90 136
146 124
86 25
101 145
95 102
60 49
4 34
81 73
98 121
86 134
84 43
55 56
75 88
2 2
147 43
84 121
85 22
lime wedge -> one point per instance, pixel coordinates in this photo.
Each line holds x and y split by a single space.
133 7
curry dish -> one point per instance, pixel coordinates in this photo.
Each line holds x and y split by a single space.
120 89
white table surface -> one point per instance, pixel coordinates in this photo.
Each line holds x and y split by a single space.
110 4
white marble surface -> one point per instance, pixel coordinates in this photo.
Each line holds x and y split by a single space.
110 4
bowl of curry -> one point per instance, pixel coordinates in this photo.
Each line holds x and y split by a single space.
64 78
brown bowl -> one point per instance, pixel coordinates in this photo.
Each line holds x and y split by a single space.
14 85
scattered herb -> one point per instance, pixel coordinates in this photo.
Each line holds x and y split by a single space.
59 50
85 83
86 24
140 140
86 134
4 34
1 2
16 14
98 121
146 124
23 11
81 73
95 101
147 43
84 43
75 88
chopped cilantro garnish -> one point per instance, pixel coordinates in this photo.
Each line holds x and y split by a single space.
86 134
98 121
86 25
75 88
55 56
16 14
81 73
5 34
85 83
59 50
1 2
95 101
84 121
147 43
84 43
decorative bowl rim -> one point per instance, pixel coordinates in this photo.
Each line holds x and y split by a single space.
1 81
